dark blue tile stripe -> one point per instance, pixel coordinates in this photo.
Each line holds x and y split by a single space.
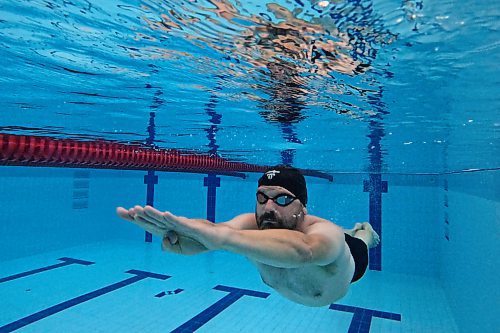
66 261
247 292
160 294
140 275
344 308
202 318
361 321
150 180
76 261
211 182
359 324
146 274
375 186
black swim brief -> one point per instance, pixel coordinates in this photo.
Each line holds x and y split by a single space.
359 252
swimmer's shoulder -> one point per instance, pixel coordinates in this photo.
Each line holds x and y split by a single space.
314 223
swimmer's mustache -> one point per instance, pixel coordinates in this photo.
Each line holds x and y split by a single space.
272 226
269 216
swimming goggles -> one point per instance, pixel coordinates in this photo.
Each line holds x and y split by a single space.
281 199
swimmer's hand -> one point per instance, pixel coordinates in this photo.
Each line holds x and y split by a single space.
152 221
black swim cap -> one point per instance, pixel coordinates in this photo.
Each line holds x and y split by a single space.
286 177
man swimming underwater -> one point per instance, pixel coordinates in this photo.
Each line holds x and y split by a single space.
305 258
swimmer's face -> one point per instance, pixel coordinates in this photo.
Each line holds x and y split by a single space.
277 208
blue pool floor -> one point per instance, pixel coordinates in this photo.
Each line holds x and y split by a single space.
123 286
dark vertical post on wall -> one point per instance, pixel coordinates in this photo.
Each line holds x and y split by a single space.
375 186
212 181
151 179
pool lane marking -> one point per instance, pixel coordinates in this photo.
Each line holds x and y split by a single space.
139 275
66 261
170 292
376 187
203 317
362 318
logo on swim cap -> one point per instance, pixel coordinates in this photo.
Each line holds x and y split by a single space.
287 177
271 174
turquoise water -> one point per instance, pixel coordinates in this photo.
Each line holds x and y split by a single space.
423 74
401 90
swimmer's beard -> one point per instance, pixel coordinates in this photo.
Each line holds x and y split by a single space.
267 224
268 220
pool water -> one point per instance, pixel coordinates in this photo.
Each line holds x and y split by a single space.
390 107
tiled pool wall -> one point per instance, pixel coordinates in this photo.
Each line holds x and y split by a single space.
470 218
444 227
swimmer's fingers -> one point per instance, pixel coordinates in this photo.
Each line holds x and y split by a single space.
128 214
167 246
135 214
153 213
178 224
149 227
170 242
142 212
124 214
158 217
171 236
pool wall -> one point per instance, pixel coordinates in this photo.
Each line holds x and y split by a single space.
443 227
469 256
48 209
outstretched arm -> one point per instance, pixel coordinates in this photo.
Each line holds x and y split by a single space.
320 244
152 221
